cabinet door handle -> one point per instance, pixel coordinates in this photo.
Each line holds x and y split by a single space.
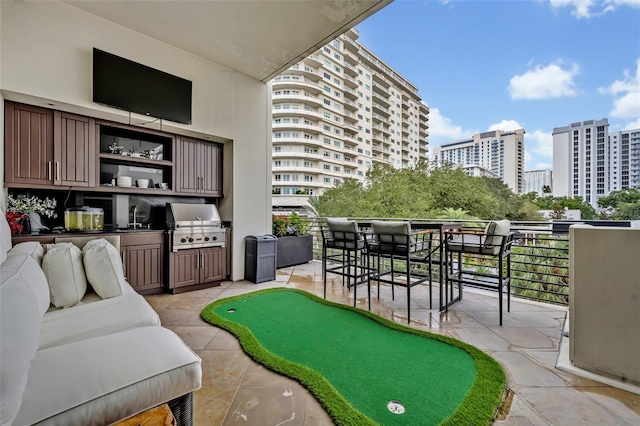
202 260
57 170
49 170
124 265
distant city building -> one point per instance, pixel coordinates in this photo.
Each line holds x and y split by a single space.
624 147
495 153
590 162
336 113
536 180
581 160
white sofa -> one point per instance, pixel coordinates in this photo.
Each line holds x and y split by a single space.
94 363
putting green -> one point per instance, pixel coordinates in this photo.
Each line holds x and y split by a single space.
357 363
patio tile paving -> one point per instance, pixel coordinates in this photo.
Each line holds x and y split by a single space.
526 345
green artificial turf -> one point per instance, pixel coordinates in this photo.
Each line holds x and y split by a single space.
355 362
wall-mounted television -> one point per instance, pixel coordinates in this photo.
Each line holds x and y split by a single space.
133 87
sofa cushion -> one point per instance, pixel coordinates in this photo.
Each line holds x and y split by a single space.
62 265
31 248
5 237
500 229
103 268
105 379
96 319
20 317
28 269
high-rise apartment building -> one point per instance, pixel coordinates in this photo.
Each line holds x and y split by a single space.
624 149
581 160
335 114
499 153
536 180
590 162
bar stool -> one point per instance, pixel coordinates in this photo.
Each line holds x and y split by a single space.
396 242
347 245
495 242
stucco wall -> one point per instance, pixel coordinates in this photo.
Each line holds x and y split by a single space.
604 301
46 57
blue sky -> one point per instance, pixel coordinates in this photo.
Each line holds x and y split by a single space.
537 64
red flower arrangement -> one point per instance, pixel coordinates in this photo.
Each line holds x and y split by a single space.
14 219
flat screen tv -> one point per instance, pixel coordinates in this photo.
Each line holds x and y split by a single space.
133 87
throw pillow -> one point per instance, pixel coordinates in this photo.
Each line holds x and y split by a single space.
103 267
500 229
30 248
62 265
489 232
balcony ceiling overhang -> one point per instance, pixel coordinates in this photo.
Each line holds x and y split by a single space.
259 38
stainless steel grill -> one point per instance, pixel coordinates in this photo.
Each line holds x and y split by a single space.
195 226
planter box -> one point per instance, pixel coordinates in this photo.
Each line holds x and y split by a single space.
294 250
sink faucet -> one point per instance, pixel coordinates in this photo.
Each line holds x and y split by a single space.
135 224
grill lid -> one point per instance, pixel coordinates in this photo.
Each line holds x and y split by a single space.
188 215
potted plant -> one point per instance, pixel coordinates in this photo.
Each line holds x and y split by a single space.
294 245
21 208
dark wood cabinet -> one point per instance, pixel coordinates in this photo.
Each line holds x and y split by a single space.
185 269
197 268
214 264
199 167
28 145
74 150
143 261
45 147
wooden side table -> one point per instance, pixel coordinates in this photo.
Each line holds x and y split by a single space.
158 416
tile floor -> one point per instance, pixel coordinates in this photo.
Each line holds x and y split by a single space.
237 391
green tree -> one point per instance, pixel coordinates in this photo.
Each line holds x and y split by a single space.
423 192
621 205
511 206
628 211
453 188
449 213
345 199
575 203
617 198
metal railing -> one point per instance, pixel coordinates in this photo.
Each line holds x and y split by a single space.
539 256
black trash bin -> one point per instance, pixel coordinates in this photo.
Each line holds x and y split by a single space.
260 258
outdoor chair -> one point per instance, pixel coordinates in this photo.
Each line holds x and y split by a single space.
343 253
394 241
495 242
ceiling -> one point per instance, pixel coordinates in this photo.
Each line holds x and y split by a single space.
259 38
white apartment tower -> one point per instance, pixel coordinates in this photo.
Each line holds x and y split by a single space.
624 152
581 160
494 153
335 114
535 180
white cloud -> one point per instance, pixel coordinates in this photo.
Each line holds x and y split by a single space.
585 9
581 8
543 82
633 125
441 127
543 143
626 92
538 147
506 125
